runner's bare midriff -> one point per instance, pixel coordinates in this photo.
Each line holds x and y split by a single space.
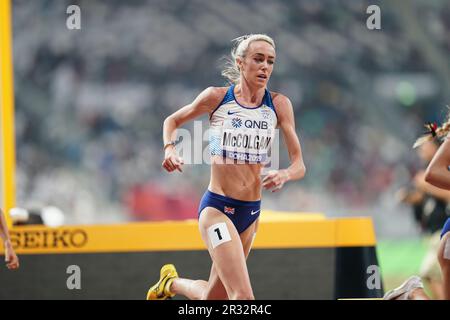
237 181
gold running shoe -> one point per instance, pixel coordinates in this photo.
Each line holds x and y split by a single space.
161 290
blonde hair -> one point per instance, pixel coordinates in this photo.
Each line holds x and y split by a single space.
434 132
240 47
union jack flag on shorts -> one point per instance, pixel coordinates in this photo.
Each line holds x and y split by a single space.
229 210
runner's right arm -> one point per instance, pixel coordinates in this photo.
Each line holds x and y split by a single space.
205 102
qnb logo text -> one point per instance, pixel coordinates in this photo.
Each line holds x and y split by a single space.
253 124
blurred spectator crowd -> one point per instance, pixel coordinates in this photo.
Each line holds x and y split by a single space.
90 103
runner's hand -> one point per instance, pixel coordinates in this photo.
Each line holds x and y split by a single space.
12 262
275 180
172 161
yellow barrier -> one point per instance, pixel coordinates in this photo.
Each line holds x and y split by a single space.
296 231
271 215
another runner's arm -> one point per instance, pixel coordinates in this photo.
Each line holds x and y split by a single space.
4 234
12 261
438 173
